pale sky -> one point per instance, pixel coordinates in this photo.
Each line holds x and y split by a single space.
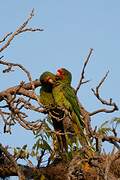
71 28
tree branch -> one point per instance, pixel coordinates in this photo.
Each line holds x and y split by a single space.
111 139
19 30
108 103
83 72
5 37
10 65
15 106
23 90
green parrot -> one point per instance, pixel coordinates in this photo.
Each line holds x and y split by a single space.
47 100
65 97
46 97
64 94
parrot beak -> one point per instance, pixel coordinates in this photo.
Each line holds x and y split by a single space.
51 81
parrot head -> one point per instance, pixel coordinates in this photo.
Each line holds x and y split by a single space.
47 78
64 75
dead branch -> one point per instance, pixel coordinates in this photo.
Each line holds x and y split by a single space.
13 162
15 104
83 72
22 28
23 90
111 139
12 104
105 102
17 116
92 133
5 37
10 65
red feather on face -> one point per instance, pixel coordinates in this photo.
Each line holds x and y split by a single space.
60 73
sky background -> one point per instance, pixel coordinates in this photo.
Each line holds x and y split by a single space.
71 28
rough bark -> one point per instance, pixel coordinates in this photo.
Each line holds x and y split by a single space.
99 167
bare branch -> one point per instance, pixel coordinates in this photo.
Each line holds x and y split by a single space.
15 106
34 126
83 72
30 30
108 103
111 139
24 90
10 65
115 108
19 30
5 37
40 158
1 57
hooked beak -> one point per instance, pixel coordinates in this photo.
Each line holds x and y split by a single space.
51 81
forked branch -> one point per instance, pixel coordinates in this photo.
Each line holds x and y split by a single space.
82 81
11 65
5 37
22 28
105 102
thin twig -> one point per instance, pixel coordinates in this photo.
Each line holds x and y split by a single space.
30 30
1 57
83 72
10 65
105 102
19 30
5 37
40 158
111 139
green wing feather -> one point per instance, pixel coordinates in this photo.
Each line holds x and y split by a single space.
45 97
65 97
69 94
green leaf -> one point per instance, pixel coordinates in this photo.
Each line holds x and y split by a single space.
104 124
24 147
116 120
104 130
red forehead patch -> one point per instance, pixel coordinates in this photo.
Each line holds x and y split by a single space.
59 72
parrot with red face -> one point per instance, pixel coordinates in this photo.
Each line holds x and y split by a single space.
47 100
65 97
